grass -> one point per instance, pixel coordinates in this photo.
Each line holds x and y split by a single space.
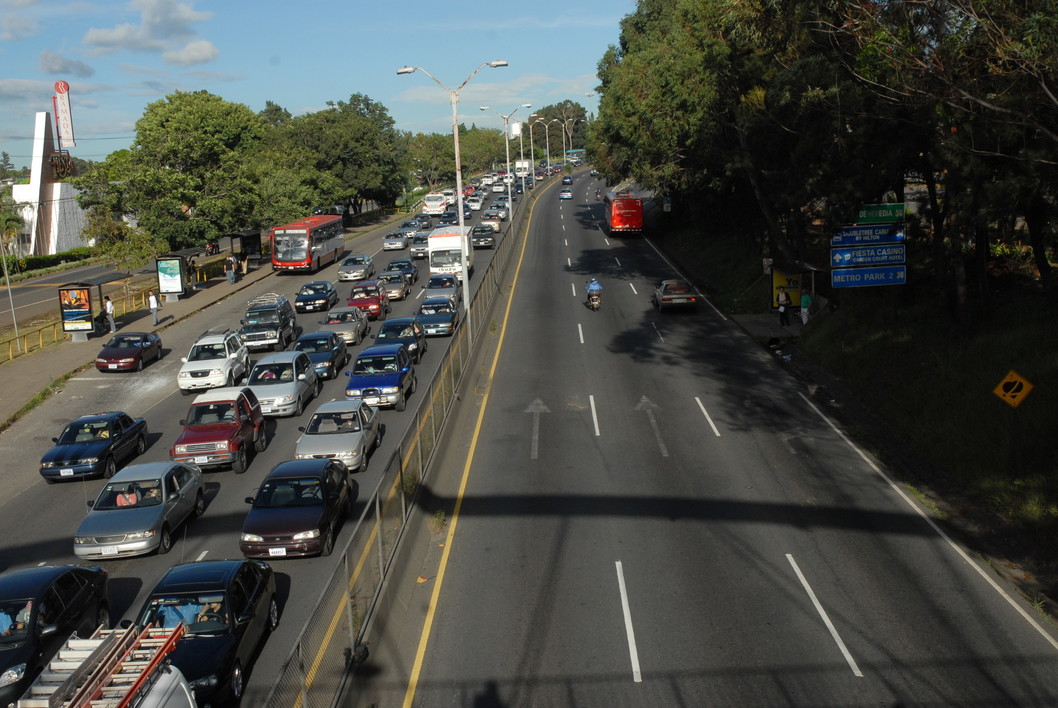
899 352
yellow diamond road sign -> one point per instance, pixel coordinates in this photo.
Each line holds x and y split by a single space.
1013 389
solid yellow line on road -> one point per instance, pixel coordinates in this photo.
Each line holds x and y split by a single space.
424 639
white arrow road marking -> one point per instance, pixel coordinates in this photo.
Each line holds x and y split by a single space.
536 408
645 404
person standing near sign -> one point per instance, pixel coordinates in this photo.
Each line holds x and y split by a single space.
784 302
152 303
229 270
806 305
108 308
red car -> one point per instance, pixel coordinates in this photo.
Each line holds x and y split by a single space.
370 296
224 426
129 351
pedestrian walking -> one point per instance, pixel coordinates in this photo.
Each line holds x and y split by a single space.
784 302
108 308
152 303
806 305
229 270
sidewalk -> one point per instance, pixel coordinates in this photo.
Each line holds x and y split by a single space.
25 377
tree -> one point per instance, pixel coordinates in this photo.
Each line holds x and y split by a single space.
123 247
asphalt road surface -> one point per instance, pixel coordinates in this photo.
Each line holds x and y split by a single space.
656 516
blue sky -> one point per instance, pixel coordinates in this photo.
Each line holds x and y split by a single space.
121 56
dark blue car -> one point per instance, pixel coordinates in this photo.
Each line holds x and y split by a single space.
383 376
93 446
404 330
326 350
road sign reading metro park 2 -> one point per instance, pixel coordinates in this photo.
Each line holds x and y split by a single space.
886 254
861 277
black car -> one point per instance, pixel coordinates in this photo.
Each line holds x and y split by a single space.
482 236
327 351
229 606
448 218
298 510
404 330
405 267
93 445
319 296
567 180
39 609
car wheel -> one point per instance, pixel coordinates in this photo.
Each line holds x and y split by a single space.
401 403
319 387
110 468
261 440
165 541
103 617
238 466
139 364
328 543
200 505
300 408
231 378
141 445
348 358
273 614
235 690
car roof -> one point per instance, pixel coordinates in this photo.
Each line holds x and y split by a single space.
316 282
198 576
339 406
330 335
279 358
299 468
30 582
398 321
377 349
226 393
91 417
143 470
438 298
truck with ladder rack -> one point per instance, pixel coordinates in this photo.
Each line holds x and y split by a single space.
113 668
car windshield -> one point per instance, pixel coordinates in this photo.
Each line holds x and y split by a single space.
333 422
391 277
676 288
319 345
392 330
313 290
435 307
211 413
355 260
85 432
289 491
363 292
262 317
203 613
14 620
339 317
379 364
441 283
265 374
124 342
206 352
410 225
129 495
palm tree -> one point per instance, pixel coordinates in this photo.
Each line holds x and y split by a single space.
11 225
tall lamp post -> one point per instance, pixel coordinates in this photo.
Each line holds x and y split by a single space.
453 98
507 144
572 123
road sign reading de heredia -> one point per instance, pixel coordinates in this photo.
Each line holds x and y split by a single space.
880 213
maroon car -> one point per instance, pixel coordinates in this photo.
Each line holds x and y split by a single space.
370 296
129 351
220 429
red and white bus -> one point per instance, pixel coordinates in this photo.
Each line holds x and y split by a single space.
624 213
308 244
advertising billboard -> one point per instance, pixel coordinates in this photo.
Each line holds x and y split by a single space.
171 275
75 309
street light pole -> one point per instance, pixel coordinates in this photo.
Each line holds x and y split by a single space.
507 144
453 98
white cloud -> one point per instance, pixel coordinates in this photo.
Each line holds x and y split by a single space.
53 63
163 25
17 4
199 51
15 27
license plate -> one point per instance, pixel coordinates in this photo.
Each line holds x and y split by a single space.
201 459
266 409
678 299
112 366
109 550
65 472
277 551
371 401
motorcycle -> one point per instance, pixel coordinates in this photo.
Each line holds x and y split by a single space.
594 300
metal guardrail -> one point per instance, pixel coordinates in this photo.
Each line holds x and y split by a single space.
315 671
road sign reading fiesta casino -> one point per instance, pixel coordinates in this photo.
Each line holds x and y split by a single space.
872 252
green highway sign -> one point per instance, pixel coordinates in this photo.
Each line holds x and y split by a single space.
880 213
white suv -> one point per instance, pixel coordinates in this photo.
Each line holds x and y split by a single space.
218 358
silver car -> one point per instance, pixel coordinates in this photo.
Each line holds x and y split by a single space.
359 266
284 383
418 246
139 509
349 322
345 430
395 241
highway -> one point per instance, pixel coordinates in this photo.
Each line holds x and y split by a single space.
38 521
656 515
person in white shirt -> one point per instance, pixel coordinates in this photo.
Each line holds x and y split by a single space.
152 303
108 307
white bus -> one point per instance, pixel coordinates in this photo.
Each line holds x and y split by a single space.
434 203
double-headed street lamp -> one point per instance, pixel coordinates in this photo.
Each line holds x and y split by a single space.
507 144
453 98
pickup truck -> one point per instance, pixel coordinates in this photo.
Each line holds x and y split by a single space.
220 429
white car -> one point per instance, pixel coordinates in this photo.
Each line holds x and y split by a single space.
344 430
395 242
474 203
218 358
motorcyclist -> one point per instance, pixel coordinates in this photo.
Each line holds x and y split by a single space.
597 193
594 290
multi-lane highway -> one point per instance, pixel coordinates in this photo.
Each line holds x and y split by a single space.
655 515
37 520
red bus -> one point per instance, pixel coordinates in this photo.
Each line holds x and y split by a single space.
308 244
624 213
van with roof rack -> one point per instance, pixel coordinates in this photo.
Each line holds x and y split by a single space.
269 322
217 358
